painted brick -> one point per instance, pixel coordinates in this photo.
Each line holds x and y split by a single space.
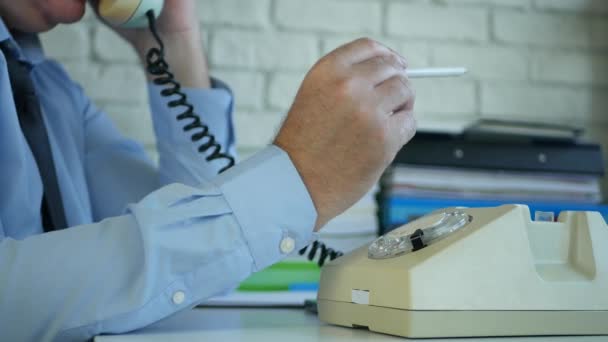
599 33
110 47
490 3
283 89
542 29
235 12
266 51
573 68
247 87
530 102
329 15
445 23
256 130
445 96
67 42
593 6
484 62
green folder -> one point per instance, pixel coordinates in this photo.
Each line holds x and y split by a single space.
283 276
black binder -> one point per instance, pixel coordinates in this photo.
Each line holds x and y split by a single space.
537 155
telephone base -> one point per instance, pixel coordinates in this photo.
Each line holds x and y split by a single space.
475 272
433 324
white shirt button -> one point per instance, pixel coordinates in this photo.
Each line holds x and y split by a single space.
178 297
288 244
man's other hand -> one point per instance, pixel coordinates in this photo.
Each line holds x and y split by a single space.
352 114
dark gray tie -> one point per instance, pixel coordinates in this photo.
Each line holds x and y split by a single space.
34 130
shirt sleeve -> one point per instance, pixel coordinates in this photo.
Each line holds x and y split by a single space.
118 170
180 158
173 249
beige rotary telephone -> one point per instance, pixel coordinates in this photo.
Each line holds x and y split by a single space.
476 272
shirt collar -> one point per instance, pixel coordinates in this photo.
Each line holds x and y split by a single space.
4 34
28 45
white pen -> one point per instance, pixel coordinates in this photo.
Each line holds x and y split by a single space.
435 72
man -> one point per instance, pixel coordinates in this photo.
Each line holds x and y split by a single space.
143 243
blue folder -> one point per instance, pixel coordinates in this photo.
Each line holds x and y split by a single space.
400 210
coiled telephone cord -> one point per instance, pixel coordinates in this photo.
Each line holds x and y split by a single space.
157 66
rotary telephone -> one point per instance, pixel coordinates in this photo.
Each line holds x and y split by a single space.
475 273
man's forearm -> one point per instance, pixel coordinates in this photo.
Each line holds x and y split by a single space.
185 55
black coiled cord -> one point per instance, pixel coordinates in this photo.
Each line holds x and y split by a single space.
158 67
324 252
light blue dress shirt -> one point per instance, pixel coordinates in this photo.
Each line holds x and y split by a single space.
143 242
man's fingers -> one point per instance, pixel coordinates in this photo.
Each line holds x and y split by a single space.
395 94
397 102
360 50
399 56
379 69
401 128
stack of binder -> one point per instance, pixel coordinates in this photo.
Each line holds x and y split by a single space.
476 169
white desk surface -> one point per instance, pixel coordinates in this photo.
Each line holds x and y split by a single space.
265 325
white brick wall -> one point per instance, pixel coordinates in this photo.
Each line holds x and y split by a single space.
549 103
109 47
529 59
69 43
330 15
592 6
236 13
542 29
493 3
488 62
570 68
435 22
245 49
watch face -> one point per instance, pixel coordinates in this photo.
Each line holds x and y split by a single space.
418 234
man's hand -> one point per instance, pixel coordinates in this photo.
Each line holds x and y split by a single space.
179 28
351 116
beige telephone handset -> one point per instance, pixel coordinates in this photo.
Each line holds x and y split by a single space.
475 272
128 13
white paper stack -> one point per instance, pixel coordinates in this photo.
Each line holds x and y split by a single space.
355 227
452 183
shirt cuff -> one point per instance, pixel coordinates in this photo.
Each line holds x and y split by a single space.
271 203
214 105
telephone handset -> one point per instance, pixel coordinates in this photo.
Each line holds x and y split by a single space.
128 13
139 13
